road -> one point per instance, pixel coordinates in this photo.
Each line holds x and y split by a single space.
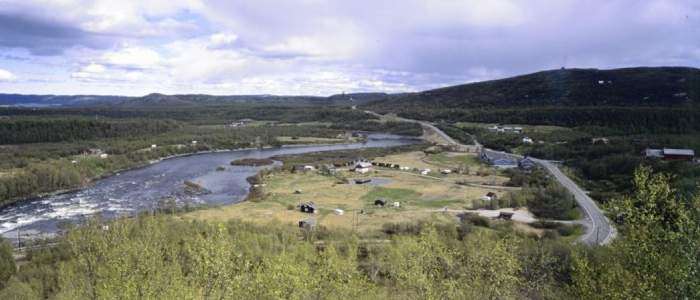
599 230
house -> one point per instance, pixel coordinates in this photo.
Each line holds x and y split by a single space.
362 180
490 196
309 168
670 154
517 130
380 202
425 172
103 155
194 142
679 154
527 140
154 146
600 140
307 224
527 164
297 191
308 207
338 211
361 165
397 204
446 171
499 160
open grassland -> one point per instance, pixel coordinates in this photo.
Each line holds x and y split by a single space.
418 196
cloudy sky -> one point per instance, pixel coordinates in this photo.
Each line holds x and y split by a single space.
319 47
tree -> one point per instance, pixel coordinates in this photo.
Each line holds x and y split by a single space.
657 254
7 262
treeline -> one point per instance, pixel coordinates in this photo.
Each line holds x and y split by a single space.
206 114
34 130
27 170
400 128
656 256
627 119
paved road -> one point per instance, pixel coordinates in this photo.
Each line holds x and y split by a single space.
599 230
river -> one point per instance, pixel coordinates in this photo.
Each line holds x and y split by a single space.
141 189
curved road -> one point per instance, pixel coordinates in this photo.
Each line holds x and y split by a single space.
599 230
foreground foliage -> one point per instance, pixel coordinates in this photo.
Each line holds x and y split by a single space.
656 257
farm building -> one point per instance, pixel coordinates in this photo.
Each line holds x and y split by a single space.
498 159
527 140
308 207
670 154
380 202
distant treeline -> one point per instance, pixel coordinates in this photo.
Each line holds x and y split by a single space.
401 128
59 130
206 114
628 119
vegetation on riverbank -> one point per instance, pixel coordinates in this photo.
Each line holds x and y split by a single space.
166 257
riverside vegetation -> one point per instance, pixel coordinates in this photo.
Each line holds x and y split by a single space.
163 256
47 150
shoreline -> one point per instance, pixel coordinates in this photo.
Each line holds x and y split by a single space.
107 174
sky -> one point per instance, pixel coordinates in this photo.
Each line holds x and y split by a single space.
325 47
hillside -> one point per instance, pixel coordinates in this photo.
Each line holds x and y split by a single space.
660 86
160 100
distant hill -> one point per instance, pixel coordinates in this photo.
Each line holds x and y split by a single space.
156 99
659 86
56 100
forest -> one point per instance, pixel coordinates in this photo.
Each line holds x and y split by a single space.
160 256
47 150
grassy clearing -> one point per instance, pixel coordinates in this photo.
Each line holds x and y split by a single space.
419 196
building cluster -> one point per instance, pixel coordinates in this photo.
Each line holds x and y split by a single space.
505 129
504 160
670 154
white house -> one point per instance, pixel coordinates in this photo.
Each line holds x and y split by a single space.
338 211
527 140
445 171
194 142
154 146
425 172
362 167
103 155
309 168
397 204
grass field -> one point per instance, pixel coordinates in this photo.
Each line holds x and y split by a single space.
419 196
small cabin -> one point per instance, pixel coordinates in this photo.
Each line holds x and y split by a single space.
380 202
308 207
490 196
307 224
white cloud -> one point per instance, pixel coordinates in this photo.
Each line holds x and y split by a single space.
133 57
7 75
222 39
94 68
